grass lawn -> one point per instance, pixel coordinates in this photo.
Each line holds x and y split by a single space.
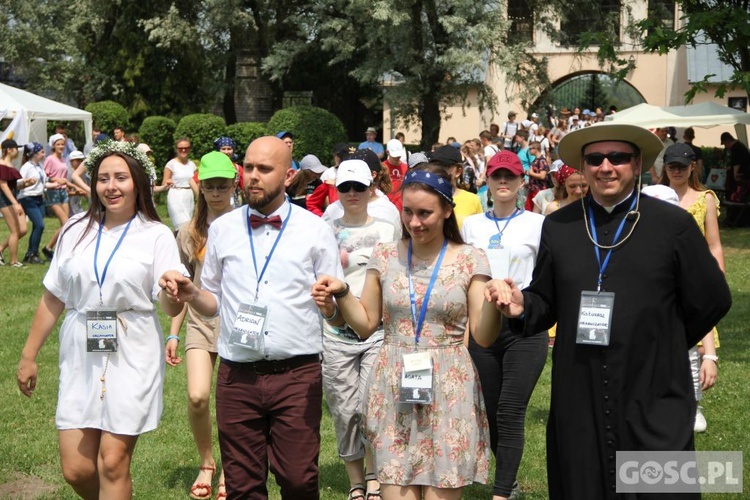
166 463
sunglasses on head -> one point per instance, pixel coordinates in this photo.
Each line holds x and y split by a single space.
614 158
348 186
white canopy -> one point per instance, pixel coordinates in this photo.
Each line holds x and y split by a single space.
704 115
31 112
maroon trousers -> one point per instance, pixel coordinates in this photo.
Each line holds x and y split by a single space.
269 420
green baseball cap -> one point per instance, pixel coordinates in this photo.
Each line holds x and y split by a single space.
216 164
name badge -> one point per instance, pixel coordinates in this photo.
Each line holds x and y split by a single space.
499 262
248 328
416 379
495 241
101 331
595 318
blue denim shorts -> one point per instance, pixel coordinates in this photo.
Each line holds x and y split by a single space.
55 197
4 201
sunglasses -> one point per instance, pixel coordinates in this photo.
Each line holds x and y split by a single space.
184 149
676 167
614 158
348 186
221 188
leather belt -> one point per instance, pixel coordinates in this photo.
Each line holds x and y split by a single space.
273 367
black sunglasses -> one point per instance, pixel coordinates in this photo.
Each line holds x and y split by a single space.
348 186
614 158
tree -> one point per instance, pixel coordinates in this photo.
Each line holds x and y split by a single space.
426 54
724 23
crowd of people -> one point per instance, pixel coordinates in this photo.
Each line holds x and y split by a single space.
417 292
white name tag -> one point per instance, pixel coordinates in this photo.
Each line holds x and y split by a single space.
499 262
249 328
416 379
101 331
595 318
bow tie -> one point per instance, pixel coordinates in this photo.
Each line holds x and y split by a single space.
256 222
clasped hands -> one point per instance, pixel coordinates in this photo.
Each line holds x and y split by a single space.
506 297
179 288
322 293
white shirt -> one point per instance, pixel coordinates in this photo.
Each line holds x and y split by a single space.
31 171
380 208
520 242
306 250
329 174
181 172
489 152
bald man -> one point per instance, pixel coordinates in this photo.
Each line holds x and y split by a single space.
261 262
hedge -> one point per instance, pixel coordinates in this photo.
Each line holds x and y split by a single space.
316 131
243 133
201 129
107 115
158 133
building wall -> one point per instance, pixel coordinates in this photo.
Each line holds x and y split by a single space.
662 80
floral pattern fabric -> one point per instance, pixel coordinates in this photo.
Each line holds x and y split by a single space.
444 444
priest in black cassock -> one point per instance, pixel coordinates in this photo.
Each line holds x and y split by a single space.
632 286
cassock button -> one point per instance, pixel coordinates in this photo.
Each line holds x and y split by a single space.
604 276
610 443
606 231
612 472
607 412
611 457
609 427
606 398
606 381
604 367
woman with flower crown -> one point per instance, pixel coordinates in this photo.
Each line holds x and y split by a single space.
104 274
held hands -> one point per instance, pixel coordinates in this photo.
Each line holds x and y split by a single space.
26 376
322 293
506 296
179 288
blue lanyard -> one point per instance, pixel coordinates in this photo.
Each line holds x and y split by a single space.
412 296
597 251
507 220
100 281
273 248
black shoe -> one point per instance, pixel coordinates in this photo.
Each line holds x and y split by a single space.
48 253
26 258
34 259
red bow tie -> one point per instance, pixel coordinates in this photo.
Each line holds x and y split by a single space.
256 222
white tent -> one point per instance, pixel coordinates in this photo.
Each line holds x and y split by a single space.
30 113
704 115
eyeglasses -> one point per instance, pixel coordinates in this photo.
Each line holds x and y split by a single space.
614 158
223 188
348 186
676 167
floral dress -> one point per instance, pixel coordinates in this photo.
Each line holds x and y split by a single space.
443 444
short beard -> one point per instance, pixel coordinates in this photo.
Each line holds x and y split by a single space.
259 202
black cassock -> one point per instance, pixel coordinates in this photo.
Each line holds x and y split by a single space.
636 393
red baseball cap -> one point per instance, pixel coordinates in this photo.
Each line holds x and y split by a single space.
507 160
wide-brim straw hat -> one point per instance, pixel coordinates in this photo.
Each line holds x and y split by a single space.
571 146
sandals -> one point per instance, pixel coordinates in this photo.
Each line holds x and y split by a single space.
204 486
357 496
221 494
372 495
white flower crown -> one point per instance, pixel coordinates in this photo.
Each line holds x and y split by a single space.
126 148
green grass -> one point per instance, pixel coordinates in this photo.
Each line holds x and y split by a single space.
165 462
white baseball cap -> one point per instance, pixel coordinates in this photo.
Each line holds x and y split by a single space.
353 171
395 148
76 155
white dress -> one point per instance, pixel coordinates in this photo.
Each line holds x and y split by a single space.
180 199
132 403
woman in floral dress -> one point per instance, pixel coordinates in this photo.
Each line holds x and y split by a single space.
435 446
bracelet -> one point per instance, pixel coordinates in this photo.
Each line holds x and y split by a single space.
712 357
177 338
332 316
343 293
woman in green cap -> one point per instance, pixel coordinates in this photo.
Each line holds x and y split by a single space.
217 182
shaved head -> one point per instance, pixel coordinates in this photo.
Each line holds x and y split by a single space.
267 168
